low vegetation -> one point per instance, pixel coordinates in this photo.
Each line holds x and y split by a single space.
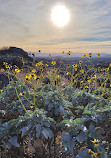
49 113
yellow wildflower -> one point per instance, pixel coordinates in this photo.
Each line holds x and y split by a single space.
61 62
33 70
2 70
63 84
17 70
39 63
84 55
58 76
27 78
94 76
90 55
42 69
32 75
74 65
1 90
33 54
46 65
96 144
7 67
90 151
36 78
98 54
101 70
53 62
20 93
10 66
23 92
80 62
82 71
110 65
75 69
69 53
107 69
96 141
67 73
4 63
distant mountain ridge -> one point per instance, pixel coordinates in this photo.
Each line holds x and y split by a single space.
60 55
14 51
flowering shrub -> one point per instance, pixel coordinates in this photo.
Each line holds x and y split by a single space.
55 117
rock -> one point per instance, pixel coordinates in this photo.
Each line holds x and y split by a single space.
13 56
4 80
12 60
15 52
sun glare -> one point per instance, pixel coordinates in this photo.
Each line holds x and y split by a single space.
60 15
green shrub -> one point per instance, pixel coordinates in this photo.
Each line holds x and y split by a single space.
74 113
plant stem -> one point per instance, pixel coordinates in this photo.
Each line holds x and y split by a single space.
22 103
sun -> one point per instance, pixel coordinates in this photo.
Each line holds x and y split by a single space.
60 15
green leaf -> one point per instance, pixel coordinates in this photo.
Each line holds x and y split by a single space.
46 123
83 153
47 133
92 128
24 130
87 112
71 144
86 107
13 141
65 137
69 141
82 136
78 121
80 107
38 130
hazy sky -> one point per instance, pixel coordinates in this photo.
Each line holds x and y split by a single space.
27 24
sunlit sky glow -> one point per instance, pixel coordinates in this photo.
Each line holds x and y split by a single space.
28 24
60 15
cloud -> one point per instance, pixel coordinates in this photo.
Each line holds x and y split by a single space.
29 22
95 39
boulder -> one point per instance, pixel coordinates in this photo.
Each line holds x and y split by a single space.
4 80
14 51
14 56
